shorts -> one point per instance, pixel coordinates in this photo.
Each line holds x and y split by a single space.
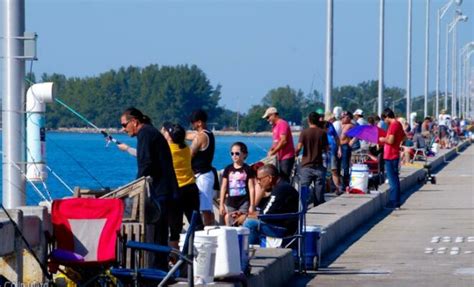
244 207
205 183
334 163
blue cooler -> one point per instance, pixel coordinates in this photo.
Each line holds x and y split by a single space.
311 247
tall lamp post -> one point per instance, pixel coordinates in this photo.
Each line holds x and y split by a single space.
427 38
381 59
408 92
441 12
329 40
454 90
464 56
458 17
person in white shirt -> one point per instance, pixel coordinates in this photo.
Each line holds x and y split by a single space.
359 117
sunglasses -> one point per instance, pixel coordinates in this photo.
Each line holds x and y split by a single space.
124 125
237 153
262 177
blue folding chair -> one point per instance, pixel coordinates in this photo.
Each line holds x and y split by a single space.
288 241
138 277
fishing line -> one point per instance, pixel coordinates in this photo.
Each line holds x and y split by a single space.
60 179
30 249
29 181
79 164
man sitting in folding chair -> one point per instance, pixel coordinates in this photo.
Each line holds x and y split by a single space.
283 199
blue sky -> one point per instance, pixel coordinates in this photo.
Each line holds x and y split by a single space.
249 47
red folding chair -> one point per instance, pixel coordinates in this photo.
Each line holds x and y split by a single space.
85 235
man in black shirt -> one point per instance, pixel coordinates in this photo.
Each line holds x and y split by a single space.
154 160
283 199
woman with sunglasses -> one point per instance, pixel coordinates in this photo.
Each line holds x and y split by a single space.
237 189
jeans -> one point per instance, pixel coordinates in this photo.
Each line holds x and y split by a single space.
318 176
258 227
391 170
285 167
346 151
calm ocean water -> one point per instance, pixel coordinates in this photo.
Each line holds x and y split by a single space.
84 160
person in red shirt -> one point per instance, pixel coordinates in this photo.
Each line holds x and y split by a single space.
393 139
282 145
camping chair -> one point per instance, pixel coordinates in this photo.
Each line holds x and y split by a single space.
85 234
156 277
298 237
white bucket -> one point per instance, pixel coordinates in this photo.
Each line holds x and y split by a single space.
434 148
243 236
228 251
360 177
205 246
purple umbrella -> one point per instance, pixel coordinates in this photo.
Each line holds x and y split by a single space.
367 133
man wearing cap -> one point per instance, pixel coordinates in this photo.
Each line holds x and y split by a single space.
359 117
282 145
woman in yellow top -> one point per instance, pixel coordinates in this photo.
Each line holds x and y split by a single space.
187 199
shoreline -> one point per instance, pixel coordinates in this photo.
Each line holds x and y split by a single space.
118 131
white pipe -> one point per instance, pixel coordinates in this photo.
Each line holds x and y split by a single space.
36 98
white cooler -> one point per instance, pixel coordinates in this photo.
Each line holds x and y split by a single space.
228 251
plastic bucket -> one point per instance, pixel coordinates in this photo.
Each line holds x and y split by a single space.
360 177
243 235
205 256
228 253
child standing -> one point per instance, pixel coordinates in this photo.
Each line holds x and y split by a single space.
237 189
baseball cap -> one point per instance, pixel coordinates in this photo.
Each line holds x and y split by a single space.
269 111
358 112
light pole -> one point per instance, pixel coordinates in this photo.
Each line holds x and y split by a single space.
408 92
329 39
462 87
427 38
441 12
454 109
458 17
381 60
465 56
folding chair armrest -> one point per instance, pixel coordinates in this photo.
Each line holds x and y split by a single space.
279 216
149 247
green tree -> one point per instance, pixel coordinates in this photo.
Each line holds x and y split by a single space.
287 101
253 122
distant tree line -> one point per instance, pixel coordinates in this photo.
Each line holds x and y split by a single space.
164 93
171 93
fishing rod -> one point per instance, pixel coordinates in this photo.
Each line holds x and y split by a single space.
106 135
30 249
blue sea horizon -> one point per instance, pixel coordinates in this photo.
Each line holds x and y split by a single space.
84 160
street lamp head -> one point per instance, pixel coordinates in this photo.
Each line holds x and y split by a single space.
458 2
463 18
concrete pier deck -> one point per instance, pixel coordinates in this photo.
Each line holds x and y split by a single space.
428 242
